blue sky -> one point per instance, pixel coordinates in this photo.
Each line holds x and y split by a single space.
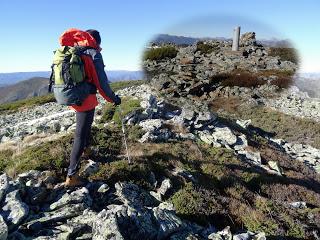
30 29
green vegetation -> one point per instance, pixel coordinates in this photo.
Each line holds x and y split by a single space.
206 48
225 190
52 155
271 121
25 103
197 204
137 173
111 112
115 86
135 132
160 53
285 54
106 142
11 107
5 159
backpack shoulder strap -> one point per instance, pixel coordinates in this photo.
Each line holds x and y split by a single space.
51 79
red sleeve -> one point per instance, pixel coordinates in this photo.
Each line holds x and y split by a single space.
92 75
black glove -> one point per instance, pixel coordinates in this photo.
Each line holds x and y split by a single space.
117 100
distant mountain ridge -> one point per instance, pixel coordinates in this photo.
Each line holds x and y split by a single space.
309 82
114 76
13 87
183 40
24 89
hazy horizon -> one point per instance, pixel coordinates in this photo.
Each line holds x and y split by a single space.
31 30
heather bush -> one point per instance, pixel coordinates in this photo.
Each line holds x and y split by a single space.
285 54
160 53
205 48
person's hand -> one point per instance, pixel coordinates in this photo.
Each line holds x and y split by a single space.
117 100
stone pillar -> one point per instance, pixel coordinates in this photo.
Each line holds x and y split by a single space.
236 38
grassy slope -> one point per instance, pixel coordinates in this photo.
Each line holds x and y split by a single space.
228 191
290 128
35 101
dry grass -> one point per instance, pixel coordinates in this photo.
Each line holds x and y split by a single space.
285 54
244 78
226 190
290 128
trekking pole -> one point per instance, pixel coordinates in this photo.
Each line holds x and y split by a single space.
124 135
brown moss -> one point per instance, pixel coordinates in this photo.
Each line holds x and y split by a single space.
285 54
291 193
243 79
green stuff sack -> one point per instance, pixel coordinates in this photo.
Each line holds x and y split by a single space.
68 76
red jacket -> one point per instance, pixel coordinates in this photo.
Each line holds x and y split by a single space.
76 37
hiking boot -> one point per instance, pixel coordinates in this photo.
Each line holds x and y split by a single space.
74 181
87 153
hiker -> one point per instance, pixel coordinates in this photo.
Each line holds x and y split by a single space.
95 74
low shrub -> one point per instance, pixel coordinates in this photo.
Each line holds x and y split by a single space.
116 171
276 72
285 54
106 142
243 79
282 82
205 48
111 112
274 122
196 204
5 159
160 53
52 155
135 132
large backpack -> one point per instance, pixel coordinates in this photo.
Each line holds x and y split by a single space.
68 76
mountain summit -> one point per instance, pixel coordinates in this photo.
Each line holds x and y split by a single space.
222 147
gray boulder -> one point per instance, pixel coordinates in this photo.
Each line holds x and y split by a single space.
248 39
90 168
250 236
224 136
123 222
225 234
165 186
151 124
79 196
167 220
253 157
131 194
3 229
39 221
14 210
4 185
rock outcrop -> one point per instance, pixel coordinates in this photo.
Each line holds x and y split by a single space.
33 206
206 127
67 214
195 72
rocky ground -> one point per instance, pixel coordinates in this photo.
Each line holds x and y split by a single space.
225 162
34 206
